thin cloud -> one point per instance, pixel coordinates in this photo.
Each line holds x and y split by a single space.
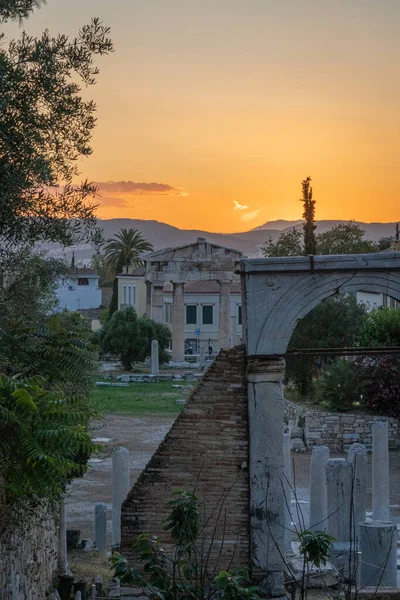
250 215
237 206
139 189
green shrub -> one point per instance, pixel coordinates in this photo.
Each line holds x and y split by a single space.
337 387
379 384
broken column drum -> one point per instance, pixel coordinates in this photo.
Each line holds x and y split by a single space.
178 323
378 545
100 526
287 488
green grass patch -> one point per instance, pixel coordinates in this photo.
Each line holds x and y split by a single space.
139 398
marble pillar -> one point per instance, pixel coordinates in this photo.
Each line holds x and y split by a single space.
267 505
100 526
318 493
380 472
154 358
378 545
287 488
224 314
339 483
178 323
157 302
202 356
120 489
148 299
357 457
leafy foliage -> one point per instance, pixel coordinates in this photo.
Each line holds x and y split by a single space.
309 227
129 337
45 128
337 386
335 323
45 442
315 546
125 249
17 9
289 243
382 328
181 575
378 381
345 238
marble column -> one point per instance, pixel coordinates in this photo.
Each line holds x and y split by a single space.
378 545
224 314
148 299
287 488
157 302
267 505
100 526
318 493
178 323
380 472
154 358
120 490
357 457
339 482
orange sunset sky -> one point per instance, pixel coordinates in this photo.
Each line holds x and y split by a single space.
211 112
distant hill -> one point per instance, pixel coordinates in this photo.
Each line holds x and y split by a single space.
162 235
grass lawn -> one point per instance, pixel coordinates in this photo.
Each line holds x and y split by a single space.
139 398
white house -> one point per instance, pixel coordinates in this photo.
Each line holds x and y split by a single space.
79 290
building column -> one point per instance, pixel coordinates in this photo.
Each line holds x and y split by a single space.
267 499
157 302
178 323
148 299
224 316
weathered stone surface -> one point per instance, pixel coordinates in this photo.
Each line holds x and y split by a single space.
339 482
297 445
318 489
380 472
28 555
154 358
120 489
317 577
378 545
357 457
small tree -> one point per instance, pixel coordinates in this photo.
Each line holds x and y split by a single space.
337 387
129 337
309 227
379 384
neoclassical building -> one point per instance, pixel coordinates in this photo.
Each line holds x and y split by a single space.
195 289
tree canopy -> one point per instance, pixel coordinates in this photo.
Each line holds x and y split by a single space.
45 128
309 217
125 249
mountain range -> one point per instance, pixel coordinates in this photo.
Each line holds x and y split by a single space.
162 235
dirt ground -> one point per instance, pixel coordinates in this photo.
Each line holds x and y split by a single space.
142 435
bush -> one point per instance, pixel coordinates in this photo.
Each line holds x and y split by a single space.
337 387
378 380
382 328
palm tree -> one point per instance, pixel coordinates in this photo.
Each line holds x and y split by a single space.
125 249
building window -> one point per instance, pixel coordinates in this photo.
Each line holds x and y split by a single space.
129 295
208 315
191 314
124 294
239 314
167 312
83 281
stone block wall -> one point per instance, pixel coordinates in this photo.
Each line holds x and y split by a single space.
340 430
28 554
206 450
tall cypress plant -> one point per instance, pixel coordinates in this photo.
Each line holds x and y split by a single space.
309 227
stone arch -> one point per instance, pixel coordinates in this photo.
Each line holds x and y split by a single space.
278 294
